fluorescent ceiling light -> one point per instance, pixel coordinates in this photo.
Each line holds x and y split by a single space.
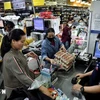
72 0
78 1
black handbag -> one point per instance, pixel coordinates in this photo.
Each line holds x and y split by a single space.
22 93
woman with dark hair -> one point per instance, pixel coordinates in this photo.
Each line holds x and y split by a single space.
51 45
15 69
8 26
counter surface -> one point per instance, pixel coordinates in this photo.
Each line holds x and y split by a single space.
64 80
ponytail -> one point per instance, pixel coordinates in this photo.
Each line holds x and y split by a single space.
15 34
5 46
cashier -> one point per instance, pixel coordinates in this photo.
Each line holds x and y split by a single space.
92 91
51 45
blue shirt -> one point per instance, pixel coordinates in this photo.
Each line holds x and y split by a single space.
95 77
48 50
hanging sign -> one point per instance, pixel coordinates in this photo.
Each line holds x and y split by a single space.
38 2
7 5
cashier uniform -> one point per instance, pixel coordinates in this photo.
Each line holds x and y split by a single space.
15 71
94 80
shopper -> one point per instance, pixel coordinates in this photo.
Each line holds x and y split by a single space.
19 21
92 91
66 38
81 24
51 45
8 26
15 69
74 23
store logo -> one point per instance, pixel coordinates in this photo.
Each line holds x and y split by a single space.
2 91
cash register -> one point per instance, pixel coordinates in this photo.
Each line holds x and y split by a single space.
96 53
83 59
95 58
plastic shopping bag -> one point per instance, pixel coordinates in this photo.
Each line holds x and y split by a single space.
39 81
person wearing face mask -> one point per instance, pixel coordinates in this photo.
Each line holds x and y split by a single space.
82 25
66 36
92 78
19 21
51 45
81 22
70 23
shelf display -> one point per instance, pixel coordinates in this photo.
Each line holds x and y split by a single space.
81 39
59 10
47 15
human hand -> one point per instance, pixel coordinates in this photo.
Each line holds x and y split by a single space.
80 75
76 87
46 92
32 54
52 61
63 49
75 41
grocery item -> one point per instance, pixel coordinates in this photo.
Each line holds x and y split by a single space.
64 60
47 15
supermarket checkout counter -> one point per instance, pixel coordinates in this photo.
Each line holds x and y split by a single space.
65 77
61 79
64 80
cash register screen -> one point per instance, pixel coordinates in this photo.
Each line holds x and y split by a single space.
97 49
38 24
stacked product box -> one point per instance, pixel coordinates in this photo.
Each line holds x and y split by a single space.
64 59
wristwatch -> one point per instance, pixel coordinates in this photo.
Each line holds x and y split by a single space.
82 89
